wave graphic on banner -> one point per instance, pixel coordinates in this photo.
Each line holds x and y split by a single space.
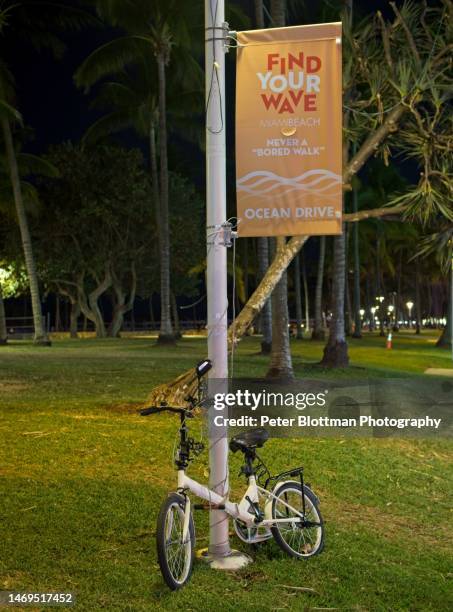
269 185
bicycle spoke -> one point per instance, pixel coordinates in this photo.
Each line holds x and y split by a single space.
177 550
303 540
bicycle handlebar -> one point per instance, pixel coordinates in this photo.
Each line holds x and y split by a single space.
147 411
157 409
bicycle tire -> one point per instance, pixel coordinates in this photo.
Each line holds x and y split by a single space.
288 537
175 557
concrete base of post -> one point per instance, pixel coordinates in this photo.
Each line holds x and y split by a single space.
234 561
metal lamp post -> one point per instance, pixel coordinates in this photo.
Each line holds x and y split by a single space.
219 553
372 318
391 312
410 305
380 299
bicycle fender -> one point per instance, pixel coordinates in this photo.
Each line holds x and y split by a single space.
268 505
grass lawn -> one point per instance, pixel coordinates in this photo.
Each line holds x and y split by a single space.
82 478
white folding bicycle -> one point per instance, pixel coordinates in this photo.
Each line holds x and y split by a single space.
272 506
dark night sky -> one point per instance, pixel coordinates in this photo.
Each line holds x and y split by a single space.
48 99
47 96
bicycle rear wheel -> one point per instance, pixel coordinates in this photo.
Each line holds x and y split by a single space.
175 554
300 539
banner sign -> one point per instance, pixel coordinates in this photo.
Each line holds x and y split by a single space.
289 131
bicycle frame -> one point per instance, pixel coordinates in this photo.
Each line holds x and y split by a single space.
239 511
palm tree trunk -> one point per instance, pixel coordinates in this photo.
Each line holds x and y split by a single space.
445 339
281 363
357 318
347 294
3 329
246 268
379 282
151 311
263 243
266 312
40 337
318 331
306 296
281 366
369 305
166 335
417 297
336 349
259 14
297 290
278 13
174 307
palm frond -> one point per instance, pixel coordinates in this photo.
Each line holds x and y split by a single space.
116 94
8 111
41 15
440 243
30 196
34 165
39 22
132 15
109 124
111 58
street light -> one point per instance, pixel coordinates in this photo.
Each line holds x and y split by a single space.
410 305
380 299
372 321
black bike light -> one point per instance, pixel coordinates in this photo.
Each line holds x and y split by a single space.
203 367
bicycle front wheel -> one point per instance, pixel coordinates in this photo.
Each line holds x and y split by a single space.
174 552
298 538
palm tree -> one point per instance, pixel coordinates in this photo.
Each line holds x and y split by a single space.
278 13
298 296
259 14
318 331
281 362
158 30
336 349
356 253
306 295
280 366
263 243
8 115
266 312
18 165
40 337
30 20
24 165
440 242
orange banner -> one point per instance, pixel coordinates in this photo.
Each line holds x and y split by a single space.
289 131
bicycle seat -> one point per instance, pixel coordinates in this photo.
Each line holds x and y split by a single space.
246 440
